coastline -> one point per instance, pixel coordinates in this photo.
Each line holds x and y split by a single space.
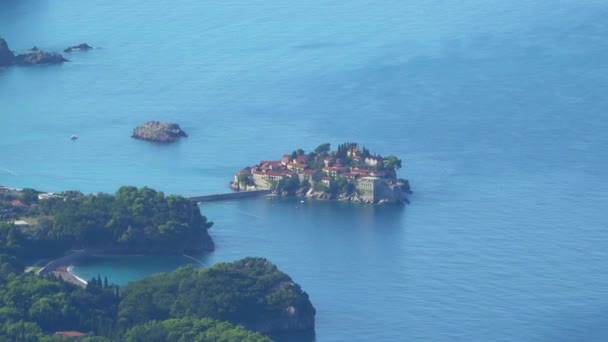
70 270
62 268
65 273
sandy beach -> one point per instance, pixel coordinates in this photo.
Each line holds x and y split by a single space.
65 273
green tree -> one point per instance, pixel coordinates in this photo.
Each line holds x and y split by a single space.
323 149
29 196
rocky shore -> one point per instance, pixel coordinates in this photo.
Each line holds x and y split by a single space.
164 132
35 57
398 195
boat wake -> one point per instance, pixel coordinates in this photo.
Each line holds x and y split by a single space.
8 171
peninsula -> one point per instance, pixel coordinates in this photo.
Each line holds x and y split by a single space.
132 221
350 173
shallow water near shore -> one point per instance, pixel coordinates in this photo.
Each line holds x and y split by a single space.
498 110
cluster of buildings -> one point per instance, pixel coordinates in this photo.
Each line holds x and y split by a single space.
366 172
289 166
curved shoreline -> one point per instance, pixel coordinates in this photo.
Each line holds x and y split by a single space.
70 270
61 268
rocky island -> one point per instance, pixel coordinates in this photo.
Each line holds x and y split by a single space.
79 47
165 132
35 57
350 173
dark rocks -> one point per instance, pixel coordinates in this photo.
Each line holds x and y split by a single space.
80 47
165 132
6 55
39 57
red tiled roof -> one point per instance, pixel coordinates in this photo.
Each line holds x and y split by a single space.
326 178
361 171
270 162
301 166
17 203
309 172
272 173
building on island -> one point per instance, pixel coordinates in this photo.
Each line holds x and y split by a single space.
347 173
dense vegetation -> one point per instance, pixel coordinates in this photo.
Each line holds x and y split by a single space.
132 220
31 307
251 292
192 329
186 305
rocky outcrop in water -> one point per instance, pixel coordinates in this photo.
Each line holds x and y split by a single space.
39 57
6 55
165 132
36 56
79 47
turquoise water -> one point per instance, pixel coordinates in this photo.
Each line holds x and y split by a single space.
498 110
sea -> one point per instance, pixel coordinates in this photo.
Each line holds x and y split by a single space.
498 110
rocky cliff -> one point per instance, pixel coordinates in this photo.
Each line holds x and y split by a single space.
6 55
159 131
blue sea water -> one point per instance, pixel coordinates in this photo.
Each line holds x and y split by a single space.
498 109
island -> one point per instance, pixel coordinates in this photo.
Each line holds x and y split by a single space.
79 47
237 301
35 57
164 132
350 173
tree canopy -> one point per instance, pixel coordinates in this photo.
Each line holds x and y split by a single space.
249 292
131 220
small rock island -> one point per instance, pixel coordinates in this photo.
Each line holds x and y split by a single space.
35 57
164 132
79 47
350 173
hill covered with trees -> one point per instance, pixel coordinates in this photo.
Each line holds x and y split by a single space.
130 221
213 304
251 292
